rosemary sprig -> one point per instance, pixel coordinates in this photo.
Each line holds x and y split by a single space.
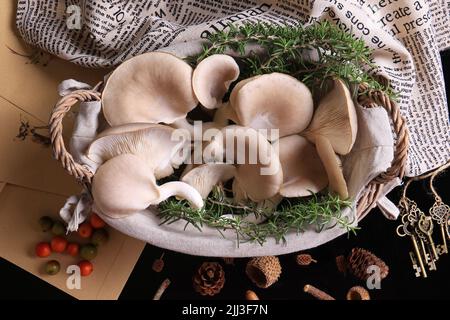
320 211
313 54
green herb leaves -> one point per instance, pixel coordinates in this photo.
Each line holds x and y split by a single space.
312 54
219 212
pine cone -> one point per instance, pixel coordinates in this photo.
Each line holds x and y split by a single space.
304 259
263 271
360 259
209 279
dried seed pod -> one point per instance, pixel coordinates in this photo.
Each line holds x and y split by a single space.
251 295
263 271
304 259
341 264
358 293
317 293
158 264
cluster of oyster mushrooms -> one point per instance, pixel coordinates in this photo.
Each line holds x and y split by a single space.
147 98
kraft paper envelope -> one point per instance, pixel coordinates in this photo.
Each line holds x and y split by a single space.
27 163
32 87
20 210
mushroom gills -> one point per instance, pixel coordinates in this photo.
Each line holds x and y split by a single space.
154 144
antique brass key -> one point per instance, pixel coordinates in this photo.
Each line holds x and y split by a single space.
439 212
425 225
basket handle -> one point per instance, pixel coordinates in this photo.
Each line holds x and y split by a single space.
375 98
79 171
372 99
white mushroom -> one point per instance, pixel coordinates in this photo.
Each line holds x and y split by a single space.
333 129
155 144
273 101
303 172
125 185
153 87
225 112
212 78
258 168
204 177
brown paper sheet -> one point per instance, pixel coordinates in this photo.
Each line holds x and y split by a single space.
27 163
20 209
32 87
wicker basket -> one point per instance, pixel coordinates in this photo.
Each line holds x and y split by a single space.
370 195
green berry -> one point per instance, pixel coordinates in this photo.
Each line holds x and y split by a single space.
88 251
99 237
46 223
52 267
58 228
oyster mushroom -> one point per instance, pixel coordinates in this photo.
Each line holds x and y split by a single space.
258 169
153 87
155 144
204 177
126 184
303 172
212 78
333 130
273 101
225 112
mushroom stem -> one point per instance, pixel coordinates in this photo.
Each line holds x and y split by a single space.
223 114
331 164
182 190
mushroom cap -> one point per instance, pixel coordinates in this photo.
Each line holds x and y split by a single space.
303 171
124 185
212 78
153 144
259 172
335 119
239 86
206 176
153 87
274 101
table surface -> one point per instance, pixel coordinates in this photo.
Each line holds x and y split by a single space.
377 234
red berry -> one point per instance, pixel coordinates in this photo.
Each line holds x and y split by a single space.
73 249
43 249
58 244
85 230
86 268
96 221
